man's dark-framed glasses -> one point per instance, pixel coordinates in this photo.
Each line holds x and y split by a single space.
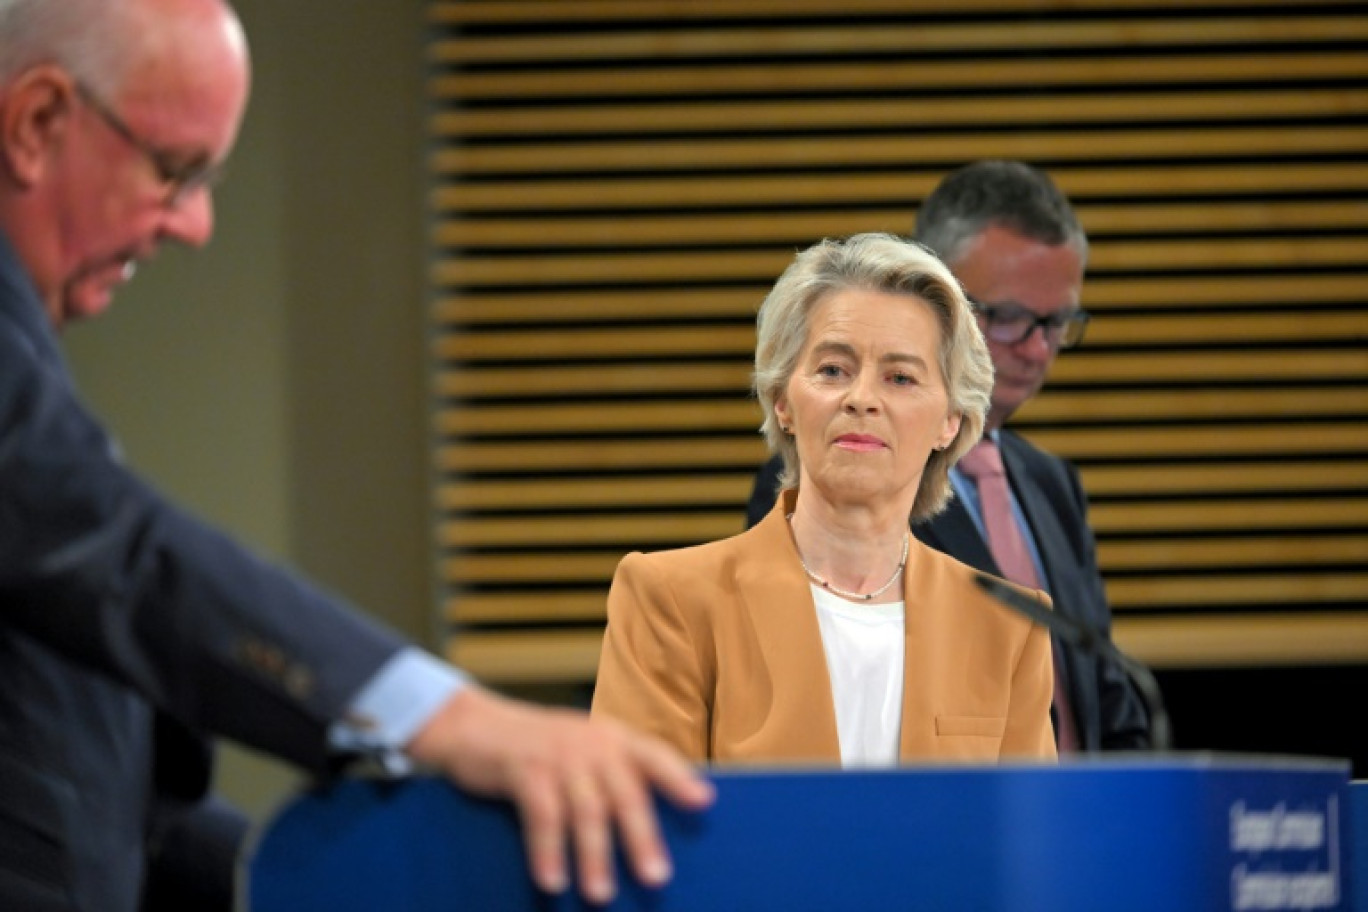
180 178
1010 325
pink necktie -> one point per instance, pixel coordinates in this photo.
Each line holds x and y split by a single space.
984 464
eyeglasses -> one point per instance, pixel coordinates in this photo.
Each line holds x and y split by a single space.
180 178
1011 325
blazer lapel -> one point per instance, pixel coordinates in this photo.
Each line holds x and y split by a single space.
1043 519
1040 516
775 594
916 738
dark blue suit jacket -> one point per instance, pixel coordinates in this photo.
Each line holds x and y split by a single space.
126 629
1107 709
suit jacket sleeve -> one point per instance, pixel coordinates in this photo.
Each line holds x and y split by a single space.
652 674
98 565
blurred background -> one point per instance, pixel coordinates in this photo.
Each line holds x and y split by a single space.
479 315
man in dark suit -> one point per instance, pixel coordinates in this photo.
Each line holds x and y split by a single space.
129 631
1015 244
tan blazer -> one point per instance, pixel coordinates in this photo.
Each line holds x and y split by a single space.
717 650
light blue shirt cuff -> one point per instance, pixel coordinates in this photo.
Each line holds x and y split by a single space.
395 704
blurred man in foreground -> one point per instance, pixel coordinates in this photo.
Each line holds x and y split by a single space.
127 628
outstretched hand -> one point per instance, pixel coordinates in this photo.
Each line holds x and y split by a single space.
569 776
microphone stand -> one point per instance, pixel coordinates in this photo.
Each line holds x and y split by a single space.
1090 640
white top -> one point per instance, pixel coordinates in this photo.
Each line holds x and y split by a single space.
864 656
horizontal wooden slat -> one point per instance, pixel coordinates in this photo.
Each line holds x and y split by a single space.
906 184
1241 552
540 12
531 568
1226 477
594 343
1092 367
1268 215
1186 516
1164 293
1309 439
1290 328
745 415
1302 638
605 455
613 230
803 152
480 531
897 75
1210 107
501 658
765 265
577 380
829 40
1101 293
610 269
1299 588
573 305
1229 254
560 493
572 605
1194 403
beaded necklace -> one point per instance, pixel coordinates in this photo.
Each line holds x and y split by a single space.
857 596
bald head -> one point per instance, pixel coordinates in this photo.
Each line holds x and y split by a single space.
96 40
112 115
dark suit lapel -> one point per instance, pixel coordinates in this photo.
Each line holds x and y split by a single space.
1041 516
953 532
1051 543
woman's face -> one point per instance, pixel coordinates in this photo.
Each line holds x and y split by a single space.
866 403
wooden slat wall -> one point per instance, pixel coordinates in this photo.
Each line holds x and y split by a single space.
616 184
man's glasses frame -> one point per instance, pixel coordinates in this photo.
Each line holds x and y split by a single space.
1013 325
180 178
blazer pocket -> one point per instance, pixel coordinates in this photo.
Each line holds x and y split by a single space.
33 807
973 726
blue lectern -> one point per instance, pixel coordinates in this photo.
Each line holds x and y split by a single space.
1182 832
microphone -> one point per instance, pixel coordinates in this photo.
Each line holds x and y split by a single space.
1091 640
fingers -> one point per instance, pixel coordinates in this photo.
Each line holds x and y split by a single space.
574 781
617 794
600 798
673 776
543 824
636 821
569 796
602 786
589 815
